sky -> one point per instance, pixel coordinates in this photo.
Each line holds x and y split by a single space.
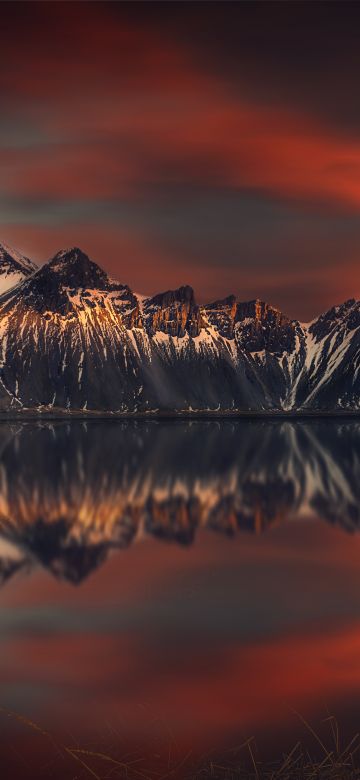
210 144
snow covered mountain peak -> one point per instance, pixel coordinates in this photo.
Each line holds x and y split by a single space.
345 315
92 344
72 285
14 267
7 254
74 268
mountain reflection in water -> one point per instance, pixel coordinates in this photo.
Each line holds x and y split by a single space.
72 491
233 599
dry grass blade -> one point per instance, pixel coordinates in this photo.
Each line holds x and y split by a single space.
312 731
177 767
104 757
252 739
26 722
347 751
32 725
83 763
286 763
334 730
318 768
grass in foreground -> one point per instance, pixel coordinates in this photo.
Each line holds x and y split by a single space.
311 759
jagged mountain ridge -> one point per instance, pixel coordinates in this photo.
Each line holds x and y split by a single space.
72 338
14 267
69 494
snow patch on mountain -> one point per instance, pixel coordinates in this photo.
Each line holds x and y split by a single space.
14 267
71 337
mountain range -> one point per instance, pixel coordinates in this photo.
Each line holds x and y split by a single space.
70 494
73 339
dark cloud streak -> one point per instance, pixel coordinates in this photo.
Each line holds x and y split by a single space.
214 144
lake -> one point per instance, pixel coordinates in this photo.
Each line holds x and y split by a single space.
175 587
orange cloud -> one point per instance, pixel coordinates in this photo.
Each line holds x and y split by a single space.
107 110
119 120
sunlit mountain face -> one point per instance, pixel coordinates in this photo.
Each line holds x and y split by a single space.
72 493
72 339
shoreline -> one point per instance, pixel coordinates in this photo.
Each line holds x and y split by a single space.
78 414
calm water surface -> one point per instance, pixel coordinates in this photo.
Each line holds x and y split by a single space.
179 583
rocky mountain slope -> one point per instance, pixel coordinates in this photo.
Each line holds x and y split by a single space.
14 267
71 338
